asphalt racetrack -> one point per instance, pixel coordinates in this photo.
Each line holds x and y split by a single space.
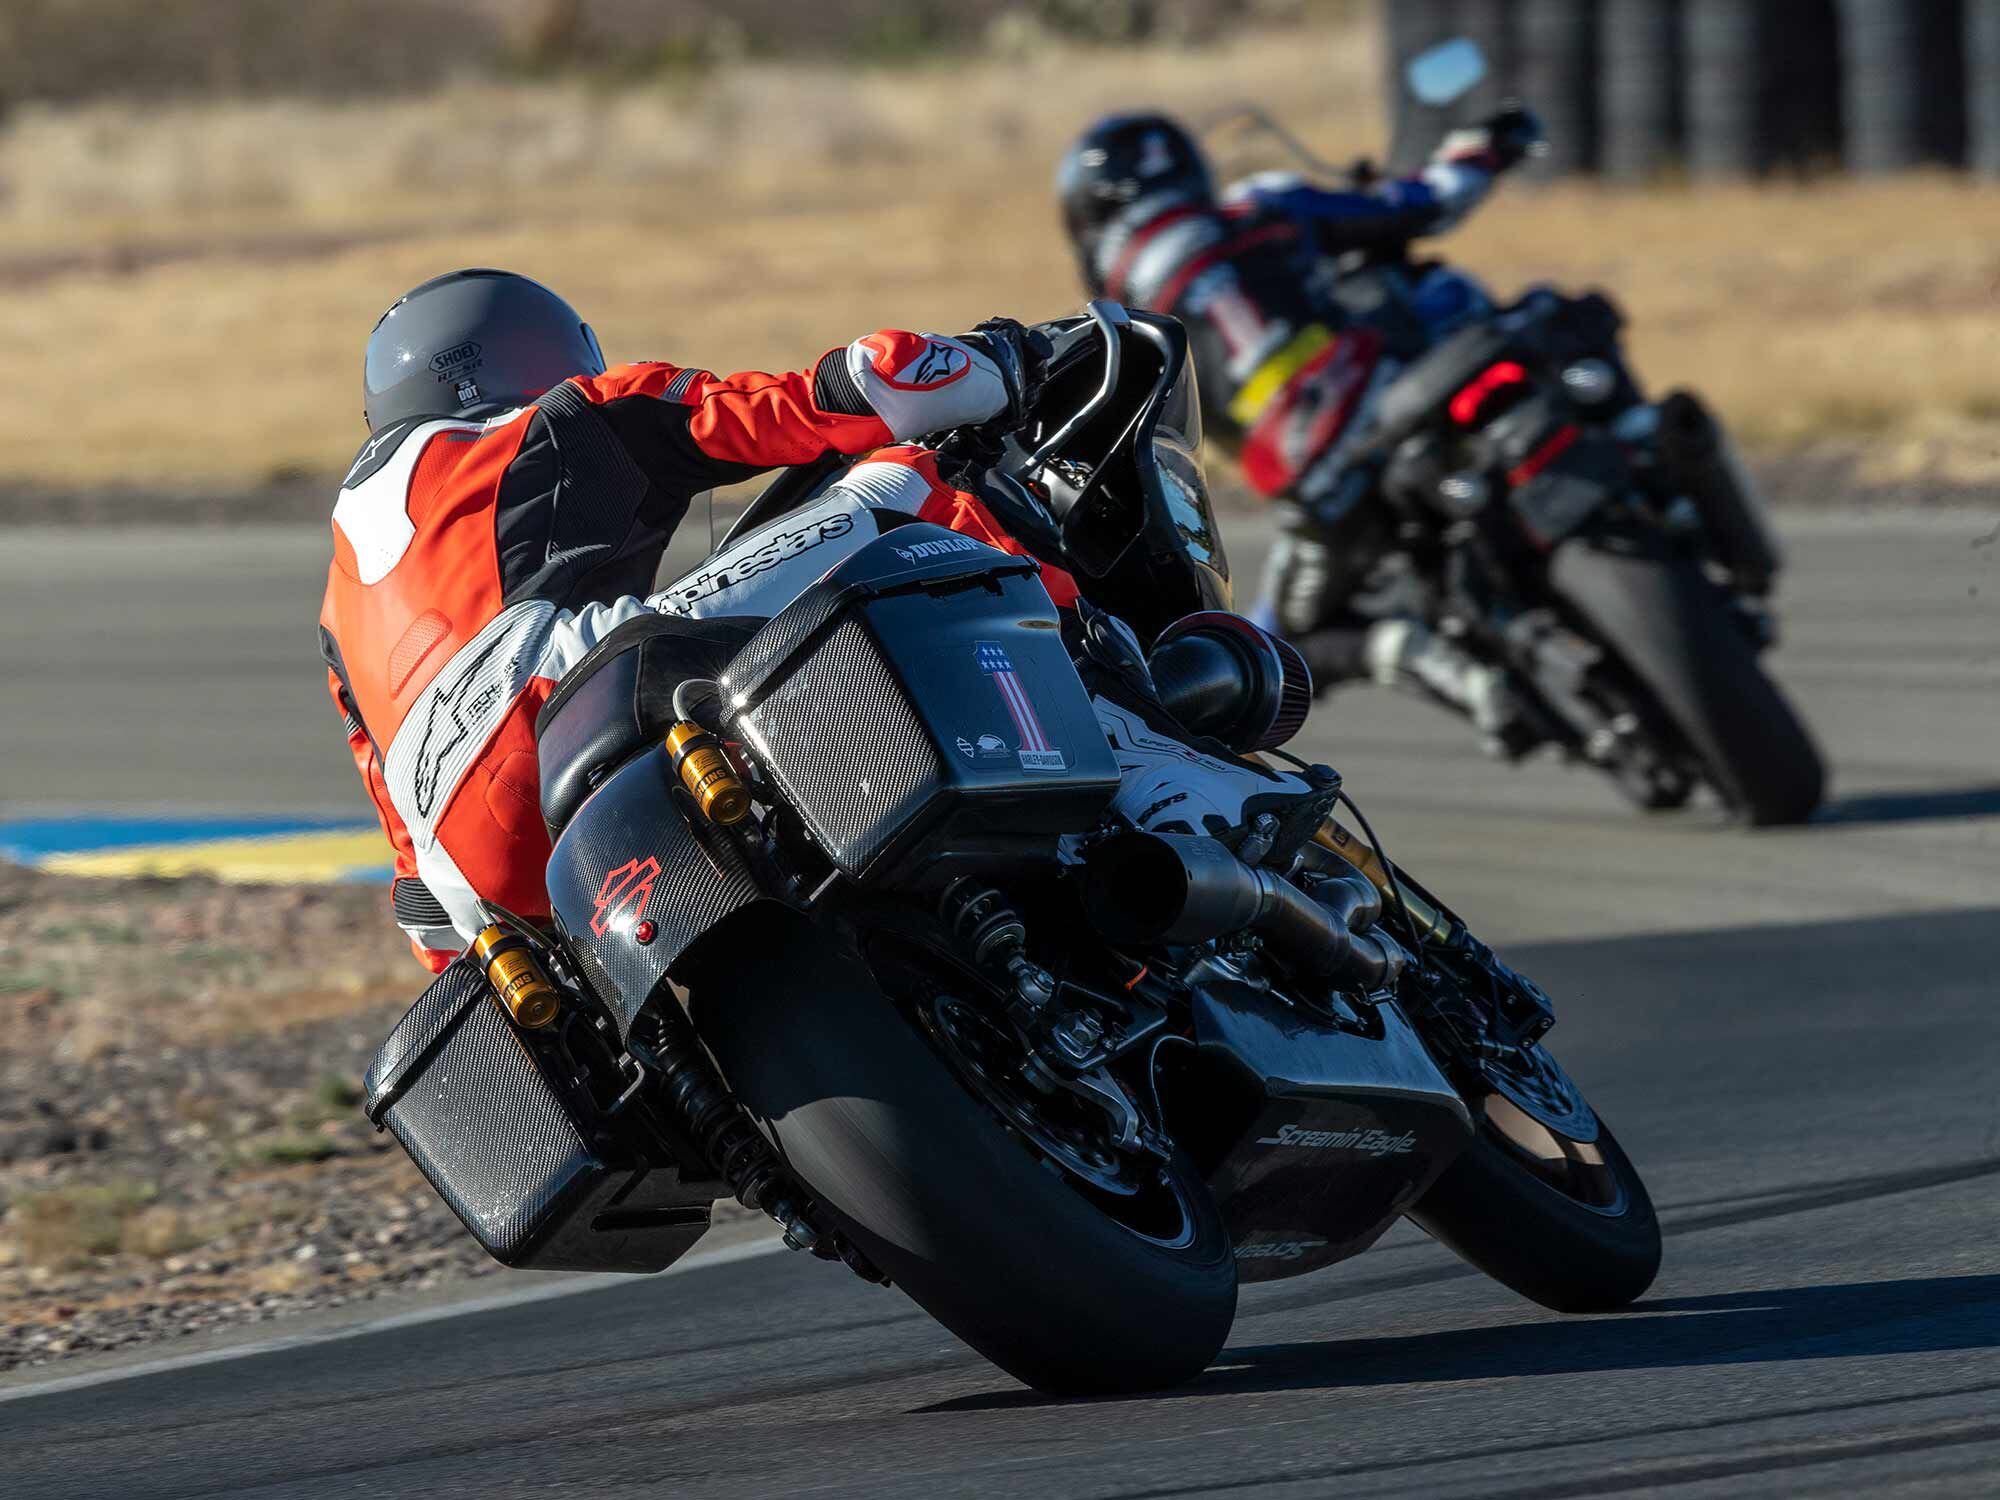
1793 1033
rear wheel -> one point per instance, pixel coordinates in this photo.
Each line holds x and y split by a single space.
1672 628
1545 1200
1003 1220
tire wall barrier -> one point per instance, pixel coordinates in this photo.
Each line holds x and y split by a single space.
1411 26
1802 77
1982 86
1633 89
1638 89
1491 23
1882 94
1557 70
1724 65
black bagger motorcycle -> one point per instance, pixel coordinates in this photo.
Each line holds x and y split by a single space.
1607 551
1597 546
849 923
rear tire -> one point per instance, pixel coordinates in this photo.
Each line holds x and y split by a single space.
1671 627
930 1185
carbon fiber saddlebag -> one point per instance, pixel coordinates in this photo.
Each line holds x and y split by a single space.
508 1130
919 697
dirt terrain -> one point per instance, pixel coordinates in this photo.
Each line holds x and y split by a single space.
181 1144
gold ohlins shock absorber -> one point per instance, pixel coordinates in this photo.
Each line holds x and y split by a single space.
516 976
702 764
1433 926
704 769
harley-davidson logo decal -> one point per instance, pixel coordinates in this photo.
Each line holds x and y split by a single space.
1036 753
625 892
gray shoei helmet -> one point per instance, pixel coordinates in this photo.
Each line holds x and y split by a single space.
473 343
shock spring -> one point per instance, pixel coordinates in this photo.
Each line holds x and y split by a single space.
713 1118
986 926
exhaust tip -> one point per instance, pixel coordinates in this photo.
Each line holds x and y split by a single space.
1134 887
1172 888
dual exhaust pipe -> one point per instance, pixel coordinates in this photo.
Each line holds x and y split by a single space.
1182 889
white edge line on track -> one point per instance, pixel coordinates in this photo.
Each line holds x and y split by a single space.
569 1286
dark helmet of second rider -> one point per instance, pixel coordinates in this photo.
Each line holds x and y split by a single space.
1116 163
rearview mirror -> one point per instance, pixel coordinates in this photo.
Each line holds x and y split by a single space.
1445 73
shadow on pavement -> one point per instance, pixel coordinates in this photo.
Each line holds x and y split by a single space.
1937 805
1918 1315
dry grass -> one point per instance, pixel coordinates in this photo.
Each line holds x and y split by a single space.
70 50
106 963
204 1159
281 1278
68 1226
184 292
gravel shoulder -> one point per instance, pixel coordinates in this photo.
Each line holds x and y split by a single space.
181 1145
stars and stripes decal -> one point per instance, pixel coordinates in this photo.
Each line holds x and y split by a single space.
1036 753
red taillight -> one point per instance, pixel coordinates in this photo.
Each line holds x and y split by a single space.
1473 396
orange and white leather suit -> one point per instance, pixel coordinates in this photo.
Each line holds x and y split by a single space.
475 562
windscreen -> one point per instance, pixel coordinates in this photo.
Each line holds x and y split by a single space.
1176 450
1124 487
